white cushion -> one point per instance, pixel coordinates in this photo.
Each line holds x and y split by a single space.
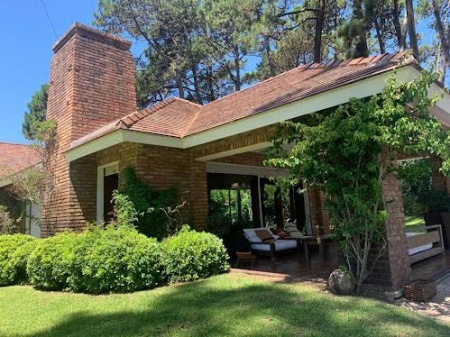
255 239
280 245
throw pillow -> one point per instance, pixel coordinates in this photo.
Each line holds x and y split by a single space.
264 235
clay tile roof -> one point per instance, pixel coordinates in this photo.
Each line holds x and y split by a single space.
17 157
293 85
179 118
171 117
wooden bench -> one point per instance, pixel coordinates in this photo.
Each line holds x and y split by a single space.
433 238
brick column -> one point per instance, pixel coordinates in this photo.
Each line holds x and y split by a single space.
439 181
397 258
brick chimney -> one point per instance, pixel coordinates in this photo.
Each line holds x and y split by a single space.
92 83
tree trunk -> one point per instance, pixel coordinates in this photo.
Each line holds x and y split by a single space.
412 28
320 17
445 38
381 43
397 26
237 68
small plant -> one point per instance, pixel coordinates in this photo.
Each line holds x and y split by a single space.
125 214
158 213
192 255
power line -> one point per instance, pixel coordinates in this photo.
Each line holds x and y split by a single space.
48 18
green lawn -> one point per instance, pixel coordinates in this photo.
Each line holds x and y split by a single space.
415 224
227 305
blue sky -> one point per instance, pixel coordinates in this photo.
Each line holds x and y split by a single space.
27 38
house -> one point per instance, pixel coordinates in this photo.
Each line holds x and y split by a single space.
14 159
92 98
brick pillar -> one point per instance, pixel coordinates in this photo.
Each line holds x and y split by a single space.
439 181
198 195
91 84
396 263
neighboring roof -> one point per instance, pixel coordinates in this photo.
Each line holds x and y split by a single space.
179 118
17 157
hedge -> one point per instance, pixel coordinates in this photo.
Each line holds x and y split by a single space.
12 247
192 255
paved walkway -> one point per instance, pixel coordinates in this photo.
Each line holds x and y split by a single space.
438 307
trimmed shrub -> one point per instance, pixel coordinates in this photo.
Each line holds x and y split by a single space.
9 244
16 269
192 255
115 260
50 264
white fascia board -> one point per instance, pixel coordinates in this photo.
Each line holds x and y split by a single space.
152 139
364 88
441 111
95 145
261 171
250 148
10 179
118 137
6 181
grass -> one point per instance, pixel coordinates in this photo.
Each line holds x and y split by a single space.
414 224
226 305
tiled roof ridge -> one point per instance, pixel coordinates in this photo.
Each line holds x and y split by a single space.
132 118
19 144
379 59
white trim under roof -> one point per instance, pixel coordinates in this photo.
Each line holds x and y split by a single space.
363 88
261 171
8 180
250 148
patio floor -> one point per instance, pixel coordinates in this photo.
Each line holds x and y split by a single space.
294 268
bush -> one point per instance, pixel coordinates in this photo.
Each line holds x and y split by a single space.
16 269
192 255
9 244
115 260
50 264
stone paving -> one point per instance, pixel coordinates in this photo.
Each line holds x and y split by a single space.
438 307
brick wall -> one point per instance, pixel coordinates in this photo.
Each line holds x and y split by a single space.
394 270
91 84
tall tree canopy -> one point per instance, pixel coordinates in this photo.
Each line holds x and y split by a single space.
201 50
37 108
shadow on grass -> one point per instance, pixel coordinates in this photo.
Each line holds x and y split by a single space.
201 309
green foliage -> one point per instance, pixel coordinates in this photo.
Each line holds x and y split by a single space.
190 255
11 247
348 151
115 260
15 270
418 194
50 264
7 223
96 261
125 215
155 208
37 110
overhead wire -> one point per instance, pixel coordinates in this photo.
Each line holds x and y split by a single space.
48 18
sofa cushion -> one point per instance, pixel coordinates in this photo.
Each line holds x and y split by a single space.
250 232
280 245
264 235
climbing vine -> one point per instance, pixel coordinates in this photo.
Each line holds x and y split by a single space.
350 150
